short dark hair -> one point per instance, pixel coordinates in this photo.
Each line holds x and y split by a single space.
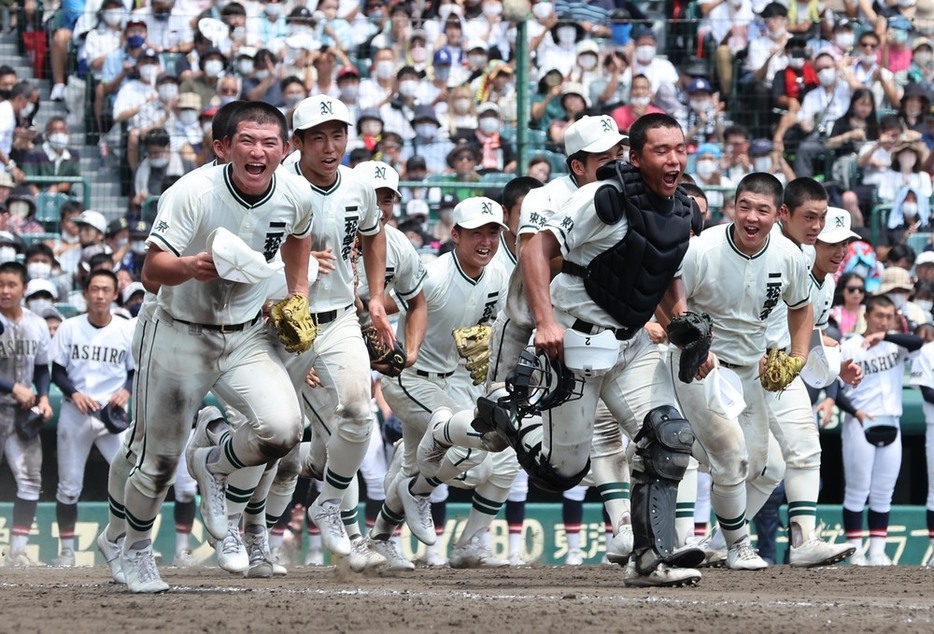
517 188
260 113
639 132
158 137
691 189
220 124
901 252
890 122
55 119
869 33
736 130
37 248
16 268
803 190
878 301
100 272
761 183
69 206
23 88
98 259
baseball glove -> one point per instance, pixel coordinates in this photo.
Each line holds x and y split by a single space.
780 370
391 361
294 325
28 423
692 333
115 418
473 344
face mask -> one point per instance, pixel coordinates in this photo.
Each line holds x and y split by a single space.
113 17
159 162
796 63
492 10
762 164
135 41
924 304
36 305
448 9
868 59
426 130
442 73
899 299
273 10
226 99
706 168
698 104
542 10
640 102
168 92
188 117
827 77
408 88
910 210
778 34
138 246
59 141
907 160
296 29
39 270
462 104
923 58
587 62
161 16
147 73
19 208
349 92
7 254
645 54
489 125
27 110
445 215
370 128
238 33
419 54
121 243
385 69
213 67
245 66
897 35
913 111
845 41
567 35
476 61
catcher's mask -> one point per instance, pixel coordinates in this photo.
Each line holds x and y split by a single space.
538 383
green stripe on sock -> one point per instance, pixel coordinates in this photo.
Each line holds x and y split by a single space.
231 456
136 524
338 481
486 505
349 517
734 524
256 508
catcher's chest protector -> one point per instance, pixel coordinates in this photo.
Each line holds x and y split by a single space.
630 279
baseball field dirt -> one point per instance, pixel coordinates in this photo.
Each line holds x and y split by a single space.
526 599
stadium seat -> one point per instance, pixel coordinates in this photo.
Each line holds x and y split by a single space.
49 209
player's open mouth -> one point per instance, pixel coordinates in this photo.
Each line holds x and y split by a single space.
671 178
255 168
750 232
330 162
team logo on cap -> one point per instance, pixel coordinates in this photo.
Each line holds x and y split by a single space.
380 172
486 209
839 222
327 107
606 122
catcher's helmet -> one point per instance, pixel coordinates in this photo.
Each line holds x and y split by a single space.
538 383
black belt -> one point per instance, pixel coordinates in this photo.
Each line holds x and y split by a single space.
440 375
621 334
328 316
729 366
222 328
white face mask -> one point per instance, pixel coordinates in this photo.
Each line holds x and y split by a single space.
19 208
168 92
645 54
845 41
385 69
910 210
262 75
370 128
39 270
245 66
796 63
113 17
587 62
827 77
36 305
408 88
762 164
213 67
27 110
273 10
778 34
699 104
899 299
188 117
492 9
59 140
349 92
868 59
226 99
566 35
488 125
419 54
923 58
542 10
159 162
462 104
640 102
138 247
706 168
426 130
477 61
7 254
238 33
907 160
147 73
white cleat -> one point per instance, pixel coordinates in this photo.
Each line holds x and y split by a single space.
111 553
19 559
619 549
314 557
199 438
142 575
662 577
516 560
213 489
65 560
260 561
327 517
858 558
417 509
816 552
878 560
280 561
387 548
184 558
575 557
231 553
475 555
714 557
742 556
363 558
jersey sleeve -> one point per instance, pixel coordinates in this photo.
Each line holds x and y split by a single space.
128 330
411 278
534 212
177 217
576 223
797 292
688 268
370 215
44 351
61 344
922 369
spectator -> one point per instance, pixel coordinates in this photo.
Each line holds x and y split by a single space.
896 54
138 90
477 58
858 125
6 186
498 86
228 90
131 297
397 113
452 39
22 207
546 104
497 154
640 103
417 53
389 150
848 304
560 52
416 171
611 88
9 109
922 63
766 159
442 229
40 294
323 68
380 86
737 161
791 84
435 92
705 116
42 265
660 72
170 26
461 115
53 319
905 171
875 159
728 24
204 83
118 239
708 174
271 26
68 238
93 46
243 65
766 56
333 30
91 230
910 214
161 163
427 142
539 169
11 245
573 100
369 129
53 158
869 73
158 113
119 67
185 131
898 287
348 88
820 109
463 161
914 105
293 92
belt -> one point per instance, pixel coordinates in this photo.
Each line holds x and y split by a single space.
222 328
730 366
622 334
439 375
329 315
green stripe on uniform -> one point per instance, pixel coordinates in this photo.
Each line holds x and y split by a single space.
614 491
486 505
734 524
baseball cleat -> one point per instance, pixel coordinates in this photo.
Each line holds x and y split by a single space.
314 557
516 560
111 553
662 577
142 575
475 555
231 553
362 557
575 557
713 557
417 509
184 558
858 558
327 517
619 548
213 489
19 559
395 561
878 560
816 552
742 556
280 557
260 562
65 560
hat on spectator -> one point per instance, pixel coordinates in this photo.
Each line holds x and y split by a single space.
588 46
925 257
116 226
41 286
92 218
894 278
592 134
6 180
415 163
131 289
644 31
470 148
318 109
213 30
189 100
698 84
135 22
167 77
696 67
50 312
24 194
425 113
8 238
922 41
474 44
368 113
148 54
140 228
760 147
774 10
575 88
915 89
443 57
416 207
579 30
380 175
300 14
347 71
477 212
900 22
843 23
837 227
418 34
448 201
488 106
246 51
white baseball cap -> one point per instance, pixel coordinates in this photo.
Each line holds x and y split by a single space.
93 219
319 109
478 211
379 174
724 392
236 261
592 135
837 227
925 257
132 289
822 367
39 285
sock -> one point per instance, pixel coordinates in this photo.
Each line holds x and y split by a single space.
314 542
120 468
458 431
276 537
141 510
439 512
421 487
67 517
387 522
853 525
878 531
184 522
515 518
876 546
929 515
481 515
433 551
572 512
182 541
218 431
24 512
351 523
346 456
802 486
241 485
371 511
729 505
684 507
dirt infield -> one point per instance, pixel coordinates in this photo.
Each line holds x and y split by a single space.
527 599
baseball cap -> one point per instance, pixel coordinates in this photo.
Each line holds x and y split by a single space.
443 57
140 228
416 207
41 286
477 212
709 148
588 46
698 84
925 257
135 22
644 31
236 261
425 113
319 109
592 134
51 312
379 174
488 106
760 147
92 219
837 227
347 71
474 44
246 51
116 226
6 180
131 289
448 201
724 392
893 278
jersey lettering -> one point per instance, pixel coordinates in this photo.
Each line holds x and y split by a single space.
350 234
879 364
773 292
102 354
19 348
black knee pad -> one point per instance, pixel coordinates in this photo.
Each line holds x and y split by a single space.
664 443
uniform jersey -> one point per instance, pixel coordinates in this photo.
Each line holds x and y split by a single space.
504 257
922 375
23 345
346 207
455 300
822 299
405 271
739 292
541 203
880 391
97 360
777 333
204 200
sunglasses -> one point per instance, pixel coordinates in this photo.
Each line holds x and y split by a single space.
855 289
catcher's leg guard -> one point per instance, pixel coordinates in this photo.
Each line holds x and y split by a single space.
664 444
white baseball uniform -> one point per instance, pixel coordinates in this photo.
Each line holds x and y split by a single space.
922 375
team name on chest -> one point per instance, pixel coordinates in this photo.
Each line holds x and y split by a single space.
18 348
103 354
879 364
351 221
773 293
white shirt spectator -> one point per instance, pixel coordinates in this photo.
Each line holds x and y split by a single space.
133 94
7 126
759 51
727 15
164 35
823 107
659 71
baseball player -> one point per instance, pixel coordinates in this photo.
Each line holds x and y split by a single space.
24 384
92 364
206 333
743 260
922 376
872 446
